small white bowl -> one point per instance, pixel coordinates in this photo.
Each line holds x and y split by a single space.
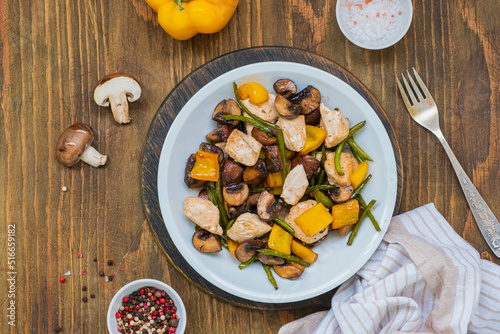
397 35
116 302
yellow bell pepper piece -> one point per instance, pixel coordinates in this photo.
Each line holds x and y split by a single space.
314 220
359 174
305 253
193 17
206 167
232 245
345 214
280 240
275 180
314 138
253 91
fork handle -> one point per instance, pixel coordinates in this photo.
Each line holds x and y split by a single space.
486 221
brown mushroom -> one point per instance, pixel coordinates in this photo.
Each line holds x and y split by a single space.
188 180
247 249
273 159
341 194
226 107
309 99
345 229
232 172
235 211
206 242
290 271
310 164
115 89
268 207
263 137
285 87
313 118
203 194
286 108
255 174
74 145
219 135
235 194
252 200
270 260
212 149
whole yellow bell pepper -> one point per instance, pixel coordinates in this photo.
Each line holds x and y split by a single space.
185 19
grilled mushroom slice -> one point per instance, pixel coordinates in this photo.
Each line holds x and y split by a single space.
232 172
206 242
188 180
286 108
310 164
235 211
270 260
255 174
252 200
341 194
309 99
226 107
263 137
313 118
220 134
247 249
273 159
203 194
285 87
236 194
290 271
268 207
212 149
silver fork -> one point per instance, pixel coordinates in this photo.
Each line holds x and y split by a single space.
424 111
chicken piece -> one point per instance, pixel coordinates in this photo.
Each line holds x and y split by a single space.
335 125
348 164
295 185
296 211
247 226
294 131
243 148
265 110
204 213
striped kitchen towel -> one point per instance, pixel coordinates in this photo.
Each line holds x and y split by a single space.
423 278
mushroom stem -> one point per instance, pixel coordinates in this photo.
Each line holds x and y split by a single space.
93 158
119 107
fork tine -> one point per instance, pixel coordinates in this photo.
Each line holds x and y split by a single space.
410 91
415 87
403 94
422 85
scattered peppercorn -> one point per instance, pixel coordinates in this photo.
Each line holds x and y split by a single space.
57 329
110 278
92 296
110 262
101 273
84 288
95 260
85 299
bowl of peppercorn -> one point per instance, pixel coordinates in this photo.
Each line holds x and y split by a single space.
146 306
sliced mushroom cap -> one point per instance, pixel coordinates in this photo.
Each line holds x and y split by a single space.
252 200
255 174
345 229
212 149
313 118
188 180
290 271
309 99
236 194
273 159
206 242
285 87
226 107
341 194
270 260
310 164
220 134
232 172
247 249
286 108
268 207
235 211
203 194
263 137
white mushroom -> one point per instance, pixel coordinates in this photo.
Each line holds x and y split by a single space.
243 148
115 90
294 132
296 211
335 125
295 185
204 213
247 226
348 163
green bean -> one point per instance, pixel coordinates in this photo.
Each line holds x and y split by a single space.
361 186
358 224
284 256
260 189
356 155
323 156
338 153
197 227
245 109
355 147
370 215
270 276
262 237
284 225
321 187
246 263
322 198
312 181
249 120
281 145
231 222
220 199
211 196
356 127
211 142
321 177
223 242
313 154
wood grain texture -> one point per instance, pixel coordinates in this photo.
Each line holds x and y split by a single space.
53 52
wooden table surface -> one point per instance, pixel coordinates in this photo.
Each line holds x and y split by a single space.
52 54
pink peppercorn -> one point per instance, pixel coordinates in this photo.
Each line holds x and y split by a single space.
162 300
137 307
125 299
171 330
142 291
118 314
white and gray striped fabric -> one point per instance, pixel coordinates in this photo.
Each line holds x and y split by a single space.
423 278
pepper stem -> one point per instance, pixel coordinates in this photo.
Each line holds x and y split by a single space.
179 3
